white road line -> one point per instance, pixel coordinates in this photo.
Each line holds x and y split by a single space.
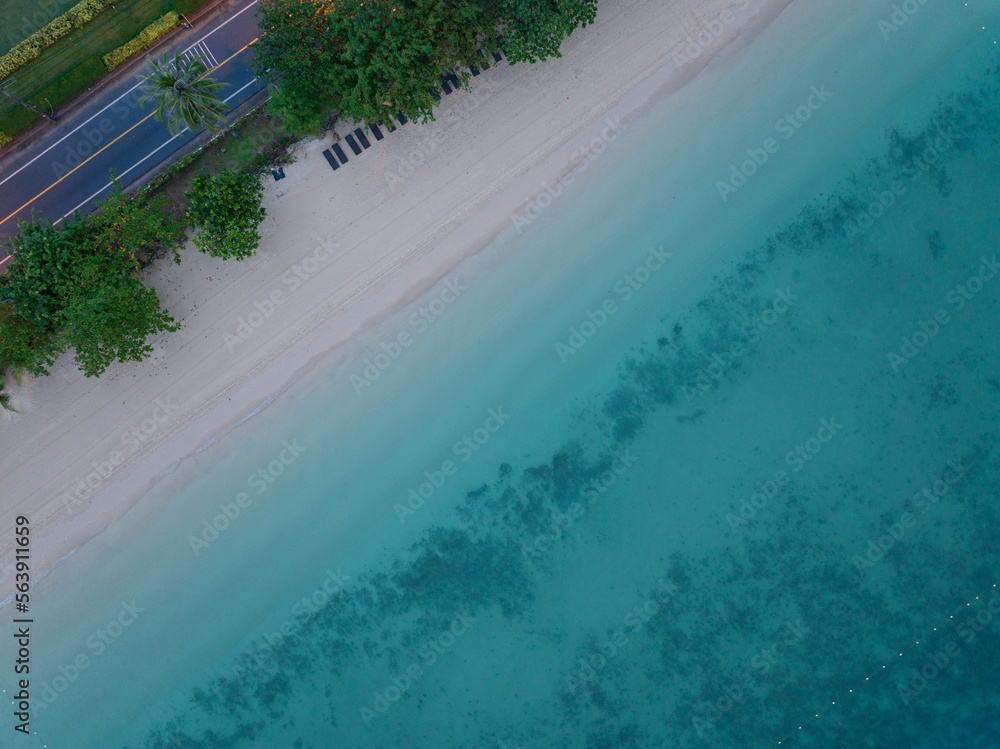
194 53
226 100
70 133
99 112
165 143
231 18
201 52
207 54
211 57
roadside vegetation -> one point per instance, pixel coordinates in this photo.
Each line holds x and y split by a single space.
262 143
19 19
79 286
182 95
53 63
145 38
226 210
369 60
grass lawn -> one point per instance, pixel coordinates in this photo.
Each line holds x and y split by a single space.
73 63
19 19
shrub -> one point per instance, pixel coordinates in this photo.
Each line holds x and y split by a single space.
34 45
50 33
144 39
59 26
173 170
4 139
24 346
227 211
64 87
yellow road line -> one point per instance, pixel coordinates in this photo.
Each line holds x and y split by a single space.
114 141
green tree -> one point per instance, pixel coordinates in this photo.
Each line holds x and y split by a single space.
182 95
299 114
370 59
296 44
133 225
25 347
534 30
227 210
78 287
6 365
112 315
394 53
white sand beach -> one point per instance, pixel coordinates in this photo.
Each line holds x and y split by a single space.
339 252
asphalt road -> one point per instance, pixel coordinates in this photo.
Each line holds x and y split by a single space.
68 167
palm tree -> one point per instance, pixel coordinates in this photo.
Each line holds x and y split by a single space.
182 95
5 399
5 396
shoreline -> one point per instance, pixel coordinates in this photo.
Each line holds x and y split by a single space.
171 417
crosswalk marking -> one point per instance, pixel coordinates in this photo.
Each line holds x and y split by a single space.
201 50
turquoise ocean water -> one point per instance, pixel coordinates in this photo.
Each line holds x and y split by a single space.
707 456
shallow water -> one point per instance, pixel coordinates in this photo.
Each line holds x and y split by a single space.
678 465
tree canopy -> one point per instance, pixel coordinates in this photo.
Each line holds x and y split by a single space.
368 59
182 95
77 286
227 209
534 30
300 113
371 59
